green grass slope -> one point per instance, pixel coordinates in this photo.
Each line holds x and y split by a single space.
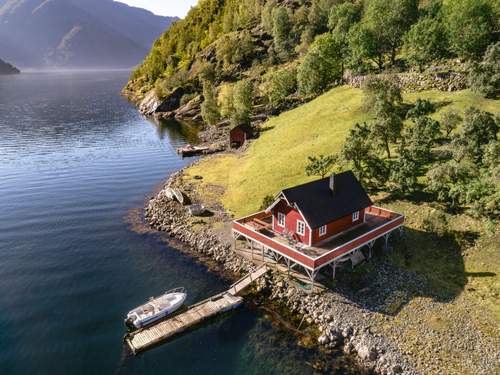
277 159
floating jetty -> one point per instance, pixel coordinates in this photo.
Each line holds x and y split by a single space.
147 337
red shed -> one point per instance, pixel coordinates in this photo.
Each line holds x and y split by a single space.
239 135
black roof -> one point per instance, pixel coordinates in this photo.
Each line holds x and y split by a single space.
320 206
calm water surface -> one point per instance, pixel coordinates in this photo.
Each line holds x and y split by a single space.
75 158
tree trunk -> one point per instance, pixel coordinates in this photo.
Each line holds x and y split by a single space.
387 149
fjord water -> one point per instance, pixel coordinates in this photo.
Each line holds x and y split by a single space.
75 159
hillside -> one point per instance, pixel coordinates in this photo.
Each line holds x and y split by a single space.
76 33
277 159
452 250
6 68
284 52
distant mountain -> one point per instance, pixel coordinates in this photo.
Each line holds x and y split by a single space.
76 33
6 68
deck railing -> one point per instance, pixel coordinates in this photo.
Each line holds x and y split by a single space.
395 220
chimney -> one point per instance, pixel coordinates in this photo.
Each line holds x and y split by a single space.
331 183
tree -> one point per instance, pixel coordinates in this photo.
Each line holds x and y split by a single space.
243 102
321 66
386 129
422 137
342 18
450 121
422 107
448 181
318 15
404 173
281 31
479 129
320 166
425 42
389 20
225 100
484 77
209 109
363 46
470 25
278 85
384 98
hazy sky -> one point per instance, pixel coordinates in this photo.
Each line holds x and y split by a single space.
177 8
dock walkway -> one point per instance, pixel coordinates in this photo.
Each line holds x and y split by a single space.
146 337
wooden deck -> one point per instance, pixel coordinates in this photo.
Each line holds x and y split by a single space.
146 337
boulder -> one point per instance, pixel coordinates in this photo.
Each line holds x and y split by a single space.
172 101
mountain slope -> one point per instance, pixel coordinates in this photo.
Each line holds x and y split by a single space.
6 68
76 33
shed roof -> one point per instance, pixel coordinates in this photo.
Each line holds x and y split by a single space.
320 206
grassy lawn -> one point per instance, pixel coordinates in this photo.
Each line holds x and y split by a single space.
278 158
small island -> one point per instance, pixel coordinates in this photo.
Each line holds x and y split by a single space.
6 68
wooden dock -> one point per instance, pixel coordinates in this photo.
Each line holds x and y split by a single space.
149 336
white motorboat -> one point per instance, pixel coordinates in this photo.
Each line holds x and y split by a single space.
156 308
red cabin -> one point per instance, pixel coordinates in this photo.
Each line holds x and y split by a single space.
318 224
316 211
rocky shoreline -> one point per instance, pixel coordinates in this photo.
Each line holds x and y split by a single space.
341 323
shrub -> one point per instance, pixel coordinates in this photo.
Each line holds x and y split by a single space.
484 77
422 107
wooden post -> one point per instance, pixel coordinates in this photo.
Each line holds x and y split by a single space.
334 267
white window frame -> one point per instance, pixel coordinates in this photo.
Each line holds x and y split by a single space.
281 219
301 224
355 216
322 230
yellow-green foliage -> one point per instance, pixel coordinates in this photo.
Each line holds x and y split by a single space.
278 158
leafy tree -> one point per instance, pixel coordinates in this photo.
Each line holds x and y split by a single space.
363 46
243 102
358 151
225 100
235 48
484 77
450 121
448 181
422 137
479 129
318 15
389 20
384 98
386 129
321 66
422 107
384 92
425 42
404 173
470 25
342 18
281 31
320 166
209 109
278 85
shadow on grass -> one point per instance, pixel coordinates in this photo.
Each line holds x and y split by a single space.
418 264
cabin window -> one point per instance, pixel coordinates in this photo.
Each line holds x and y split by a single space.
322 230
355 216
281 219
301 227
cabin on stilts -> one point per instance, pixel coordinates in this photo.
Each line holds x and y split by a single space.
319 224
